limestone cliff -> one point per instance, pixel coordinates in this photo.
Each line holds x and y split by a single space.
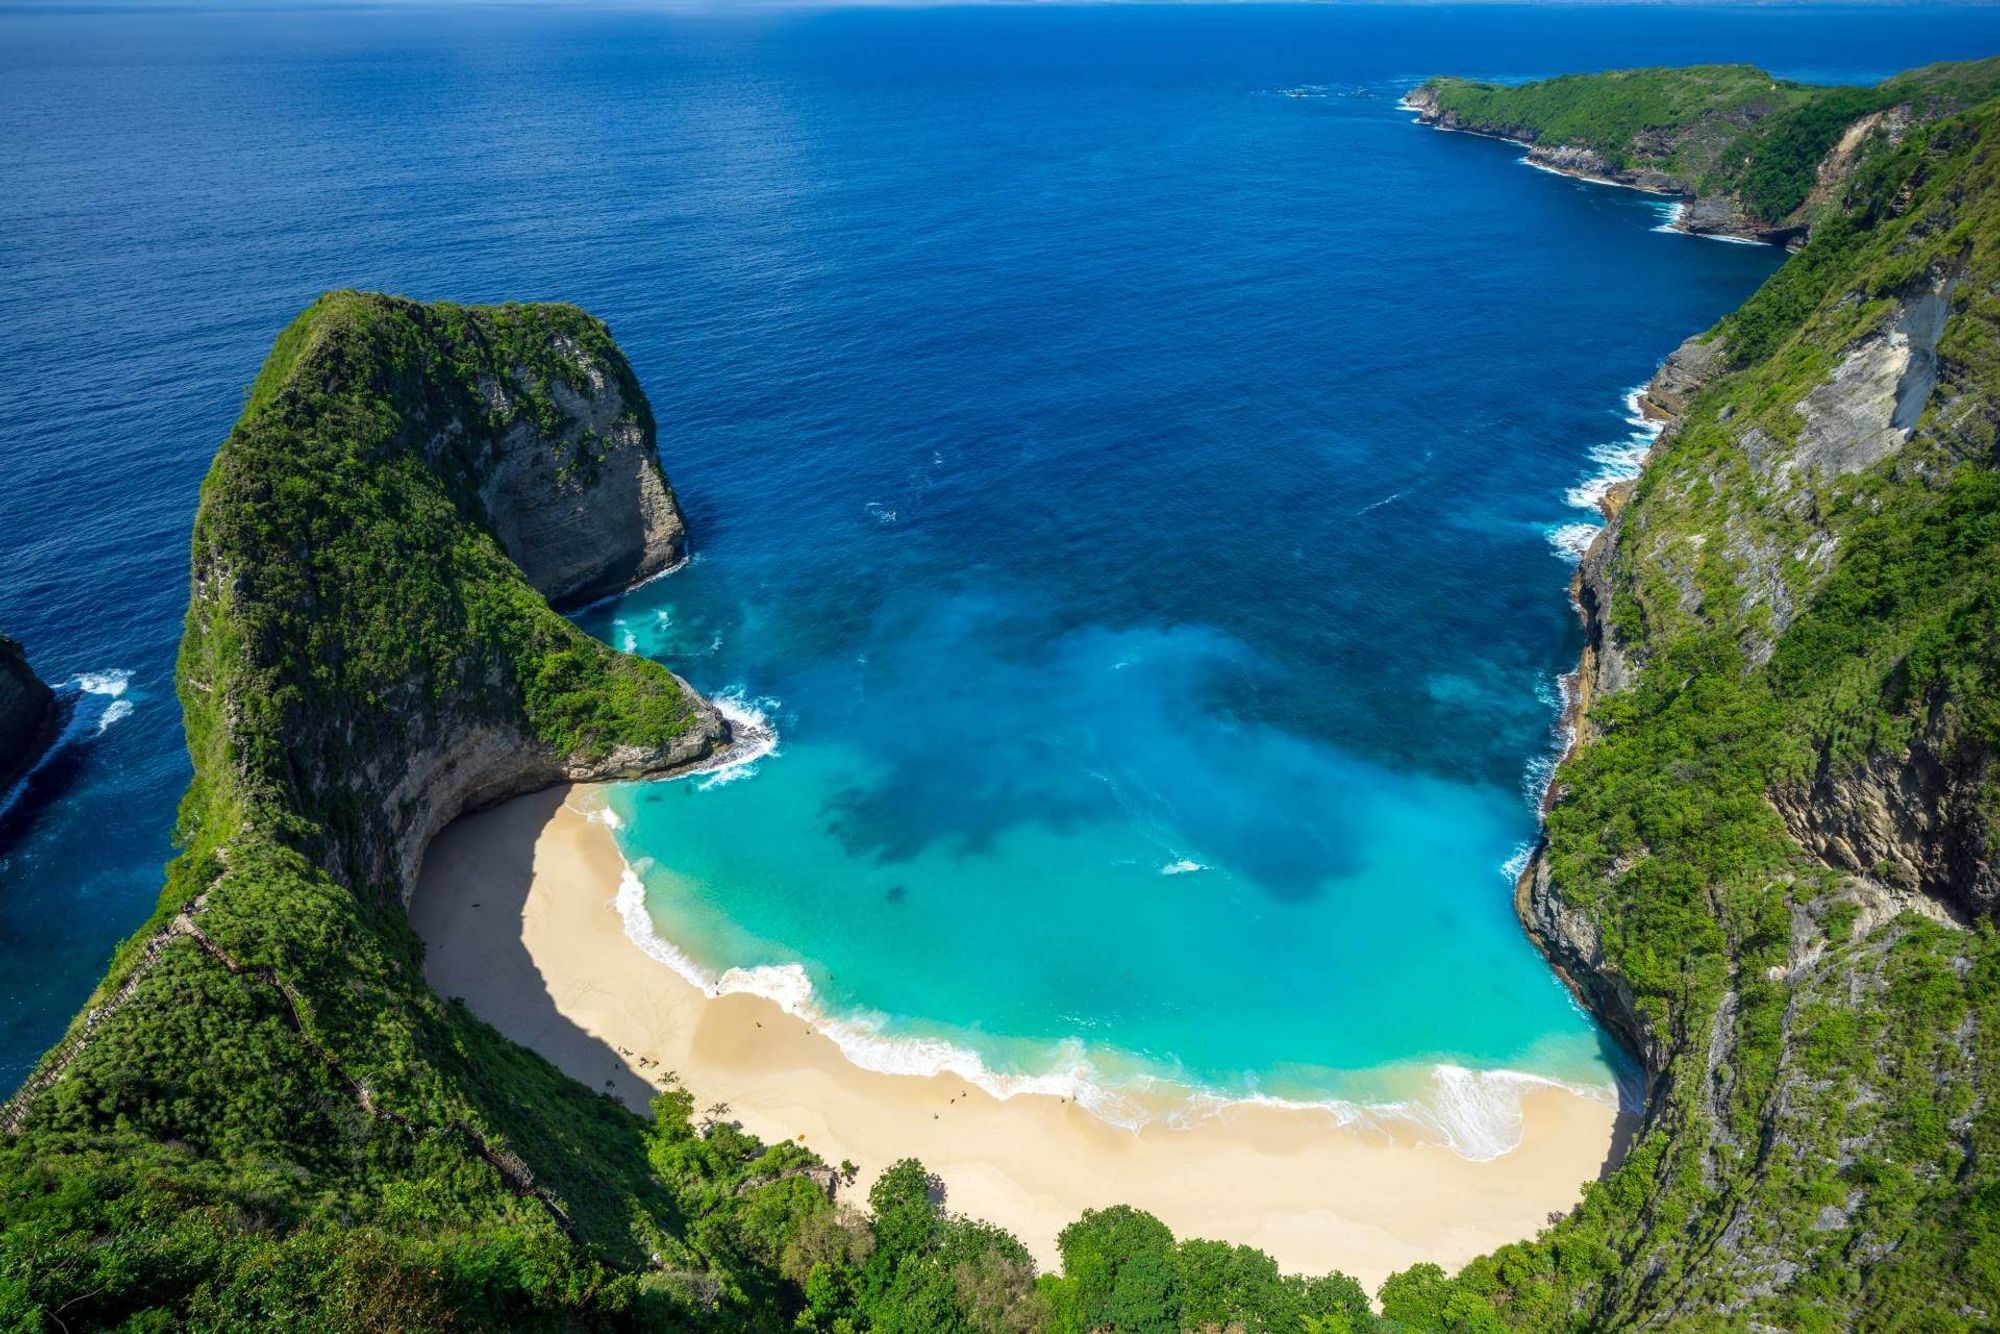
1748 156
27 714
578 500
369 650
1780 810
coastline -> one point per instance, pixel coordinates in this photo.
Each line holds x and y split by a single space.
518 909
1574 954
1425 116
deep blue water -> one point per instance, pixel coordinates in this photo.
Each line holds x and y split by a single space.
1099 463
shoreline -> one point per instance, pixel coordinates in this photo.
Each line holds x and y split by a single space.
1680 197
518 909
1579 693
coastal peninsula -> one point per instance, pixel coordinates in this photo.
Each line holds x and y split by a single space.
1749 156
1768 865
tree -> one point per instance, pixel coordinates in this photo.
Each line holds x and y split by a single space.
1118 1274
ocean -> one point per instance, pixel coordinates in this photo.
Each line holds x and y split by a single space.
1134 475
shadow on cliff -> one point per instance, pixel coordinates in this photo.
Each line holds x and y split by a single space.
483 943
1630 1077
572 1133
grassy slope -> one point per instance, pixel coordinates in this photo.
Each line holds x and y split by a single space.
247 1137
278 1123
1718 129
1823 1151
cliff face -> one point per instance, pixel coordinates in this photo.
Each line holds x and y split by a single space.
1781 806
263 1079
579 500
525 454
1748 155
27 714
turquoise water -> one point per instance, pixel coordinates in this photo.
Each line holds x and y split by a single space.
1101 464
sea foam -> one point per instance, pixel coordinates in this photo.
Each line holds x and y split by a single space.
92 702
109 686
1617 461
861 1039
1477 1114
755 737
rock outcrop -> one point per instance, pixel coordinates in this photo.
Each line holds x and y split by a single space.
539 441
1687 368
1915 818
28 714
579 501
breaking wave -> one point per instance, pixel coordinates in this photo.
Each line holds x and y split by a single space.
1477 1114
754 736
91 703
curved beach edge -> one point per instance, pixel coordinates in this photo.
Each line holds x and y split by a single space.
517 907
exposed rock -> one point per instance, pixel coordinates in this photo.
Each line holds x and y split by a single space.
1590 166
1719 215
1571 942
1912 819
1688 369
27 714
585 512
1866 409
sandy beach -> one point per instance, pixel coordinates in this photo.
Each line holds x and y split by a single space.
516 909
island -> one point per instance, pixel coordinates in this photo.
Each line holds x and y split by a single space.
1768 862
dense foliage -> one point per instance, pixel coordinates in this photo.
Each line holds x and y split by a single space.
266 1118
1722 130
1821 1152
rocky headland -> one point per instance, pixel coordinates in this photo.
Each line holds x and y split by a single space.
370 651
1778 806
1747 156
28 714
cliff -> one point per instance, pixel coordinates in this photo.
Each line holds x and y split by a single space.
1767 861
1748 155
264 1118
27 714
1768 857
263 1102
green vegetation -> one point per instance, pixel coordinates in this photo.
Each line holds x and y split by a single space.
266 1119
1728 131
1676 120
1820 1153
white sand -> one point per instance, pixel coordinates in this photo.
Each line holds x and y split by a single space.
516 909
